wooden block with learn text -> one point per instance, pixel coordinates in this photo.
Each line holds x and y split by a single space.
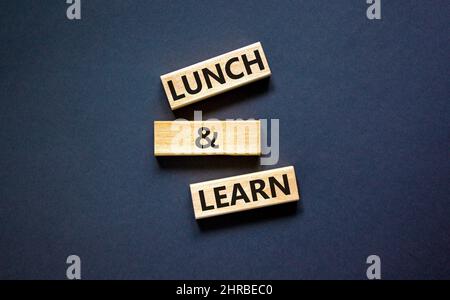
174 138
244 192
215 75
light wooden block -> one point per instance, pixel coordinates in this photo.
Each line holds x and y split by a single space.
173 138
244 192
215 75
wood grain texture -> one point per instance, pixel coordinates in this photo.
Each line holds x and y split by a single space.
175 138
215 75
244 192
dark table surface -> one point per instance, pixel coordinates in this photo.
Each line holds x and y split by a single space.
364 110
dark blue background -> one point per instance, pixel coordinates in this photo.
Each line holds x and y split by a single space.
364 118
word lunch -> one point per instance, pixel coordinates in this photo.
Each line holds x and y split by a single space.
244 192
215 75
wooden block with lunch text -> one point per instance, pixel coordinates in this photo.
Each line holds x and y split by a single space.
173 138
244 192
215 75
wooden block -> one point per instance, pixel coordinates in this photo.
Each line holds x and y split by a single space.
207 138
244 192
215 75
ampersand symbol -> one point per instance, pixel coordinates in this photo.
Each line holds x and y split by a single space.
203 133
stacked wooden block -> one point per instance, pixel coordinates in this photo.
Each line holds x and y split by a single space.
188 138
